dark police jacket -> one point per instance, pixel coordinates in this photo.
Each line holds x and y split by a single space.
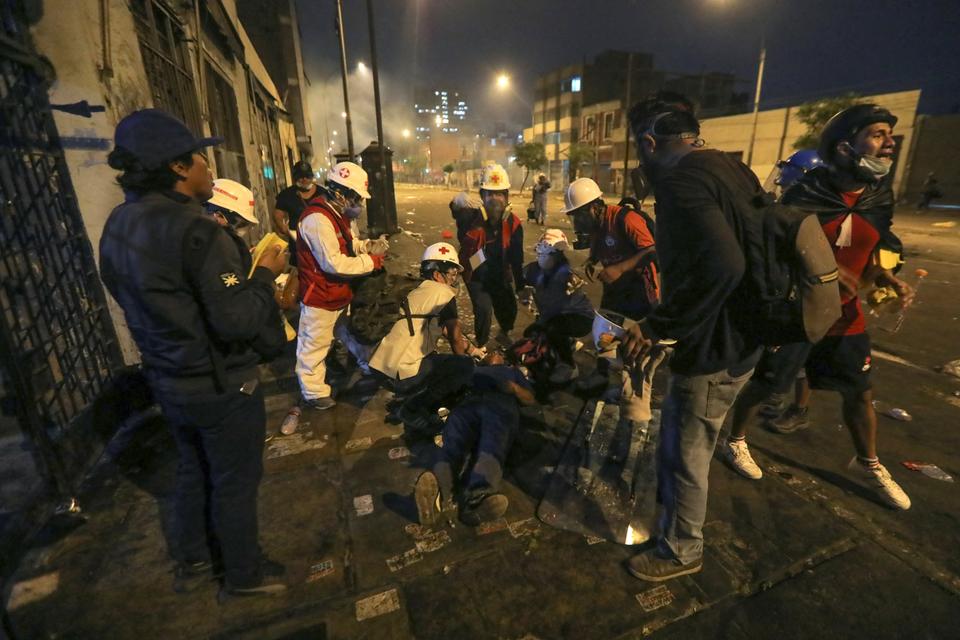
182 322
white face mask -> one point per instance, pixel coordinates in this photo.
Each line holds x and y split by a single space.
874 167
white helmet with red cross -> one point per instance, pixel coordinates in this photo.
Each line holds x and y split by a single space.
441 252
493 177
350 175
552 241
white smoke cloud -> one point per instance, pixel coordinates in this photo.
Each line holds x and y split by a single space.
326 108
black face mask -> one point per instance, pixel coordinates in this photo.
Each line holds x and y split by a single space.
584 226
583 241
641 183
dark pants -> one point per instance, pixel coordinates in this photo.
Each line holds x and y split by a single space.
491 300
220 441
480 429
561 331
440 375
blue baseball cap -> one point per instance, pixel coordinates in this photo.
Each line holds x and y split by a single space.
155 137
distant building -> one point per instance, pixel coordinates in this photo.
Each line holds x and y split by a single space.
583 103
439 110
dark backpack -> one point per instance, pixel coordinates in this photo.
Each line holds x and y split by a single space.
790 291
379 302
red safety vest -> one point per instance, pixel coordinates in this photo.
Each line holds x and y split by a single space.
318 288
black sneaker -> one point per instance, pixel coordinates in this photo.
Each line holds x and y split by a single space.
793 419
268 586
773 406
649 565
190 576
320 404
486 509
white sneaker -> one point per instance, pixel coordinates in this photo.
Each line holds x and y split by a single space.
737 455
563 373
880 480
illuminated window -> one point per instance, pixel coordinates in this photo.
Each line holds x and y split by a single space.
575 84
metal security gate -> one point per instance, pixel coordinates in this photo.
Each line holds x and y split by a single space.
57 342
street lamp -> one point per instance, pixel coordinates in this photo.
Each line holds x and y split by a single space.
405 133
503 81
362 68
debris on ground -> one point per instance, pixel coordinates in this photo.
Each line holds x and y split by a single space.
928 469
892 412
952 368
949 224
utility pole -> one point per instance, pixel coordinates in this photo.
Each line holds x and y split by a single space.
756 100
626 124
343 74
376 103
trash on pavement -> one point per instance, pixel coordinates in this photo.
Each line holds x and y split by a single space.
892 412
291 421
363 505
928 469
405 559
398 452
377 605
952 368
447 234
320 570
950 224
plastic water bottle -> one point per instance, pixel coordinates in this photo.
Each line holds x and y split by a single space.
291 421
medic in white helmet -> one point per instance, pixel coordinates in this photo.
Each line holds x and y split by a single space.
329 257
408 357
563 310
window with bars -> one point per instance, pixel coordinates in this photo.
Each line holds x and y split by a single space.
224 122
166 61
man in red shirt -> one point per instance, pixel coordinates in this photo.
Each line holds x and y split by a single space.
854 202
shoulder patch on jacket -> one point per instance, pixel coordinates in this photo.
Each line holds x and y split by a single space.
230 279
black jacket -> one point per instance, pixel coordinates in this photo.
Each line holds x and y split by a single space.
815 192
176 317
701 264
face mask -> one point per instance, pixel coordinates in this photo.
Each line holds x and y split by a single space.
494 207
546 262
874 168
353 211
305 189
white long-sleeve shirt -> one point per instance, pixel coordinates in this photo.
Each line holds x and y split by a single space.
321 237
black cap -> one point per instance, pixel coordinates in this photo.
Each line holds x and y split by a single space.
302 169
846 124
156 137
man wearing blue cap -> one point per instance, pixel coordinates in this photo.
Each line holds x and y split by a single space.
194 315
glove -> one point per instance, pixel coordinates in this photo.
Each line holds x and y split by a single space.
464 200
590 269
378 247
574 283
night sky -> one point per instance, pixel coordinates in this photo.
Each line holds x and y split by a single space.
814 48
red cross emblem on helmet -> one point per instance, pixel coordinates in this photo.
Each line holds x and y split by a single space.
344 173
443 250
495 178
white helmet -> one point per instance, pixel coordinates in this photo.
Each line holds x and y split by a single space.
580 192
441 252
350 175
233 196
552 241
606 331
493 177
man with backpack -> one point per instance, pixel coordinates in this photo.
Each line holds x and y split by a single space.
182 283
702 265
854 204
407 356
622 251
329 258
491 252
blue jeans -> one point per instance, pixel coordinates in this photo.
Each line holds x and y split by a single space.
692 414
220 441
480 430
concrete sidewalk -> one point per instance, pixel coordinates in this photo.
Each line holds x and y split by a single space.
803 553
